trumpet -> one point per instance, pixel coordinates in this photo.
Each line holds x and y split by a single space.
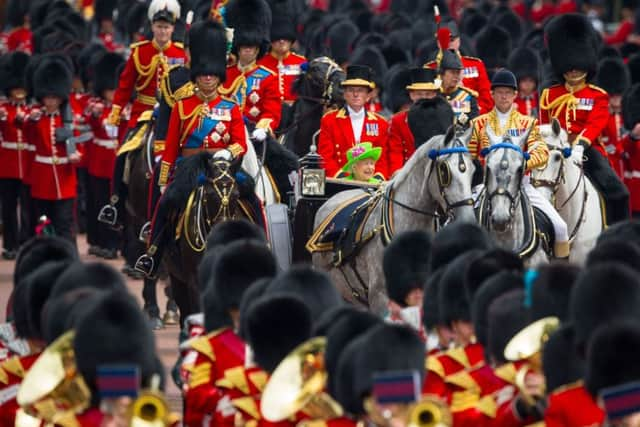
527 345
150 409
429 412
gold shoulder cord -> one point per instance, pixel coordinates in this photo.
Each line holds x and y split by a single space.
147 72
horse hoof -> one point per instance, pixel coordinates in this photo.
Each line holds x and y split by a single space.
156 323
170 318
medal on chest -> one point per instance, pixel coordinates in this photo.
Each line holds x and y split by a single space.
585 104
371 129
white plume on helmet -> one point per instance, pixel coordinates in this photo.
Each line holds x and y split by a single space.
157 5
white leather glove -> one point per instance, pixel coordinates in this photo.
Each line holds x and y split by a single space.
223 154
259 134
112 131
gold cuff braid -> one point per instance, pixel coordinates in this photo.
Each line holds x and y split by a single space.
235 149
114 115
264 124
164 173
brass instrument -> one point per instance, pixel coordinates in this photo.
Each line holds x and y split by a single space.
298 383
150 408
429 412
53 390
527 345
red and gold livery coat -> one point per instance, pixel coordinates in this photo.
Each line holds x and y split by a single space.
442 365
517 124
255 90
401 141
287 69
142 72
12 372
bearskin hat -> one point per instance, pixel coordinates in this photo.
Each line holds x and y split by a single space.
595 303
613 76
397 51
106 72
17 10
615 250
511 22
631 114
607 51
551 290
231 277
312 286
61 312
506 317
426 52
612 356
113 330
283 26
388 348
405 264
396 96
251 295
456 239
525 62
494 286
489 263
453 301
277 324
37 12
250 20
472 21
20 311
430 307
428 118
38 251
572 44
136 19
560 362
330 318
208 50
351 325
340 40
628 230
97 275
371 57
12 71
104 9
39 283
86 62
346 376
52 77
215 316
493 46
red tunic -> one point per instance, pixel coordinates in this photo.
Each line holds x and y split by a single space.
584 112
78 102
53 175
401 142
12 373
572 406
540 13
222 128
443 365
288 69
20 39
474 77
632 170
611 140
528 105
336 137
109 42
256 92
16 154
141 74
101 150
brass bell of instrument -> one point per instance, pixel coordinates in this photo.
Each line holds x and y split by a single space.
429 412
298 383
150 409
53 389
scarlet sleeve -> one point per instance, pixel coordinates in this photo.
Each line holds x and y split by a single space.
485 101
326 145
394 151
238 132
172 144
126 82
598 118
272 107
620 36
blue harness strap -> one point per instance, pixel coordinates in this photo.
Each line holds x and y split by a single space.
434 154
485 151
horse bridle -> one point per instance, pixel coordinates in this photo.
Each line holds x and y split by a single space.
223 191
504 165
443 174
555 183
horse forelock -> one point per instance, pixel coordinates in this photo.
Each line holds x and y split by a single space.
419 156
551 139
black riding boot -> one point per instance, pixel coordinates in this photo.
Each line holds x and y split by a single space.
614 192
150 262
113 213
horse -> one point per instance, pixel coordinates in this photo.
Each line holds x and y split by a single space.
318 89
504 208
564 183
433 186
215 198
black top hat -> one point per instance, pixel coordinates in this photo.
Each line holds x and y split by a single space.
450 61
424 79
504 78
359 75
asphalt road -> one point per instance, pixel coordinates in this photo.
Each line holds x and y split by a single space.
166 339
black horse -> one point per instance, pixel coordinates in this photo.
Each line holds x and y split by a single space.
318 89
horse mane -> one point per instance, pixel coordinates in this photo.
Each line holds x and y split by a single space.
185 178
421 154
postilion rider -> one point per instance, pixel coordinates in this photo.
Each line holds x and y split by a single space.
505 119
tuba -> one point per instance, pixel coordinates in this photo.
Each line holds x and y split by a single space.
298 383
527 345
53 390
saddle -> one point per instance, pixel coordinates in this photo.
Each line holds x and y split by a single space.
538 229
342 230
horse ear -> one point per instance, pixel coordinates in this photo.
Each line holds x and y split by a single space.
449 135
555 127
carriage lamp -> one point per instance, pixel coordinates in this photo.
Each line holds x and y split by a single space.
312 173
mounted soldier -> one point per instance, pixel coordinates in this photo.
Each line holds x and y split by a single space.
580 107
464 101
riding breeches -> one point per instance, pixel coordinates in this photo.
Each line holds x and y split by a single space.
537 200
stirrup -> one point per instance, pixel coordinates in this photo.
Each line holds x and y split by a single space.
145 232
145 265
108 215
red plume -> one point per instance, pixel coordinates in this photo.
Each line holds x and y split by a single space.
444 37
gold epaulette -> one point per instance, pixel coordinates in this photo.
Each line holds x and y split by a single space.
372 115
179 44
566 387
598 88
298 55
140 43
471 91
330 111
342 113
472 57
13 365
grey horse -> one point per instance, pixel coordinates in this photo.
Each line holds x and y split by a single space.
434 186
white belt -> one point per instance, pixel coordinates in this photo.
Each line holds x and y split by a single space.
106 143
15 145
52 160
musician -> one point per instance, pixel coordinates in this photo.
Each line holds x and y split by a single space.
580 107
205 121
464 101
343 128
